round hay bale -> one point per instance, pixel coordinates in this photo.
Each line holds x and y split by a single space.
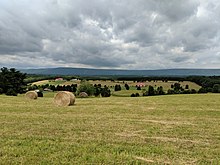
83 95
31 95
64 98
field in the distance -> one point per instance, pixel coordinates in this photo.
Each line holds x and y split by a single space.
124 92
172 129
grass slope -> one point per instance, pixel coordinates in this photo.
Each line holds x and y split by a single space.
177 129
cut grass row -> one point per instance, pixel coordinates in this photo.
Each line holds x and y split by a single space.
177 129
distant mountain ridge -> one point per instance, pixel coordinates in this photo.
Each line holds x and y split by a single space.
117 72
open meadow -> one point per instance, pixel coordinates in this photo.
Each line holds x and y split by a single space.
124 93
171 129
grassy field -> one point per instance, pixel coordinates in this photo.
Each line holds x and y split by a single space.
124 92
165 85
172 129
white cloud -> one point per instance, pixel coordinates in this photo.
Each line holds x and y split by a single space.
124 34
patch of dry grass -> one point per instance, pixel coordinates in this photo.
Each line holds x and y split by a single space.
177 129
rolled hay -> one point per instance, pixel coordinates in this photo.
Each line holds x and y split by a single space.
83 95
31 95
64 98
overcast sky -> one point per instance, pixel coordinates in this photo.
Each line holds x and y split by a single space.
116 34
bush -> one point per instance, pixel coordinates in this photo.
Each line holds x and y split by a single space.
11 92
40 94
186 92
193 91
151 91
135 95
202 90
127 87
117 88
160 91
216 88
170 92
1 91
97 90
105 92
86 87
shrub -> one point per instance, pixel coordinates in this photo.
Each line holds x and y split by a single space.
202 90
151 91
1 91
127 87
193 91
135 95
170 91
97 91
85 86
40 94
105 92
160 91
117 87
186 92
11 92
216 88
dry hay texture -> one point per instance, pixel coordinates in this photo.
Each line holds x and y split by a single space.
83 95
31 95
64 98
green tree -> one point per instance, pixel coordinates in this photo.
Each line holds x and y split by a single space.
98 90
105 92
216 88
151 91
127 86
12 80
85 86
117 87
160 91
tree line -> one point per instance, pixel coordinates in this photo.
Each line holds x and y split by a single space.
13 82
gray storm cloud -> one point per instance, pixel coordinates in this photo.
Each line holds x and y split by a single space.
126 34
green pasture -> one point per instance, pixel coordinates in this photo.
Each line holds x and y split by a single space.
124 92
165 85
171 129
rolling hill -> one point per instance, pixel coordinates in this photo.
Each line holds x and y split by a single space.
114 72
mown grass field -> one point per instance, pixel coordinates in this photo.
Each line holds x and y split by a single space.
171 129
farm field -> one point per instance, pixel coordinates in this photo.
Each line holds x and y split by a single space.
124 92
166 85
171 129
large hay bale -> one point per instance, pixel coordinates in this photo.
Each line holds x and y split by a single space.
83 95
64 98
31 95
